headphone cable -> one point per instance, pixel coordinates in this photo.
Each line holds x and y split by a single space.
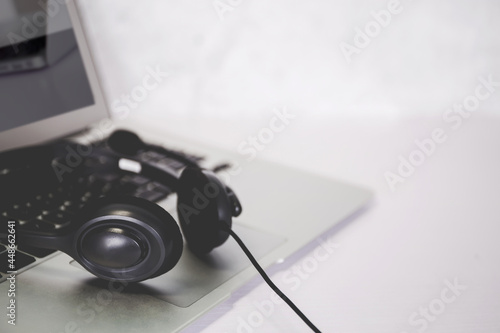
268 280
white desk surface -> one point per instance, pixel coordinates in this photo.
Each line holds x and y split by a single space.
353 121
441 224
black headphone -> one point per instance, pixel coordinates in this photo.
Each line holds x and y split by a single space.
125 238
129 239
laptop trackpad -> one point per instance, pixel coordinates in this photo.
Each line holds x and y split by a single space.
193 277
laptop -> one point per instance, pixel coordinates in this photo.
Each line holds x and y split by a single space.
50 93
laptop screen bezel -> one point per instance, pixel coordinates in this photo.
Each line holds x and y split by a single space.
69 122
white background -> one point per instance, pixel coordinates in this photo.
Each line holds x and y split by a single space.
353 121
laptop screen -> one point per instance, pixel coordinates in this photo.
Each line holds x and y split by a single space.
42 74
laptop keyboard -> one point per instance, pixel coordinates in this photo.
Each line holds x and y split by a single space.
55 207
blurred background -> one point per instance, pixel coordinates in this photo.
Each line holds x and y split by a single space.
239 58
340 66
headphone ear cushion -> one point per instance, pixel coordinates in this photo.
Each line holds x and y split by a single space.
202 205
148 223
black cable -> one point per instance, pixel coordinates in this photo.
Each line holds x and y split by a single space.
269 282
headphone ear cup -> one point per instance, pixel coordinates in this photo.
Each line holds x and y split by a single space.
127 238
202 205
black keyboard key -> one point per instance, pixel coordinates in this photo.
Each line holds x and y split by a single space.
107 177
57 194
75 194
96 186
35 251
22 212
75 189
125 186
47 201
86 196
36 204
58 217
39 201
21 260
73 206
37 225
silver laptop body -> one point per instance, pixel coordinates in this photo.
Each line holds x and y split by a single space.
284 209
